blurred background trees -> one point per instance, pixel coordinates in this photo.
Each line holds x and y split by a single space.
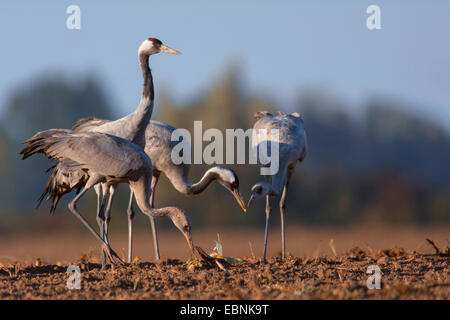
388 166
50 101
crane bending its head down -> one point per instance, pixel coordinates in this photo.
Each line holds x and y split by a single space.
260 190
110 160
292 144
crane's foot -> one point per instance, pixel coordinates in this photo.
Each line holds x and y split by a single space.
104 265
112 255
104 259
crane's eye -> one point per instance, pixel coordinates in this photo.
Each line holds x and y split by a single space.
187 228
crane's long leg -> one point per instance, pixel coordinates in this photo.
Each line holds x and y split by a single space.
282 211
112 192
152 219
130 214
73 208
107 216
266 234
101 217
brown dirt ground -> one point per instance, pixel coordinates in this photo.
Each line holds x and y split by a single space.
404 276
34 266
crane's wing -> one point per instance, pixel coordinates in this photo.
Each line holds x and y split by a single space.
87 124
97 152
291 136
101 153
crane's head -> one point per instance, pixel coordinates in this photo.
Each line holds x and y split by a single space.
229 179
152 46
183 223
259 190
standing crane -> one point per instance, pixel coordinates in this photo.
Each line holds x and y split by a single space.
158 146
131 127
292 145
107 160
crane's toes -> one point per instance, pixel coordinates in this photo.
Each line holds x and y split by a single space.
112 255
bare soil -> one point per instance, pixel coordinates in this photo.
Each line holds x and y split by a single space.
404 276
330 270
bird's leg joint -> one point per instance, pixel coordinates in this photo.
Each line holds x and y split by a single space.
130 212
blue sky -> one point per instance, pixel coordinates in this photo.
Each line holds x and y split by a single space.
283 46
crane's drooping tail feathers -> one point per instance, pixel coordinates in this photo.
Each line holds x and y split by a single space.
59 183
60 179
40 143
50 190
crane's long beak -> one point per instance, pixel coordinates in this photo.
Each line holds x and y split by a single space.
164 48
250 201
188 237
238 196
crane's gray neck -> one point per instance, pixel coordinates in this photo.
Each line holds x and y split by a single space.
161 212
132 127
145 106
204 182
138 121
148 92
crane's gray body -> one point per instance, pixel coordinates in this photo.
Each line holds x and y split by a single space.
292 142
158 146
131 127
111 157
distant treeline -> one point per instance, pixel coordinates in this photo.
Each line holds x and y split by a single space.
390 165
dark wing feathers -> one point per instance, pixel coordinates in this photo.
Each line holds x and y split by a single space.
63 179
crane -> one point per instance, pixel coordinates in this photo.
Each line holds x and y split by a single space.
292 143
131 127
107 160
